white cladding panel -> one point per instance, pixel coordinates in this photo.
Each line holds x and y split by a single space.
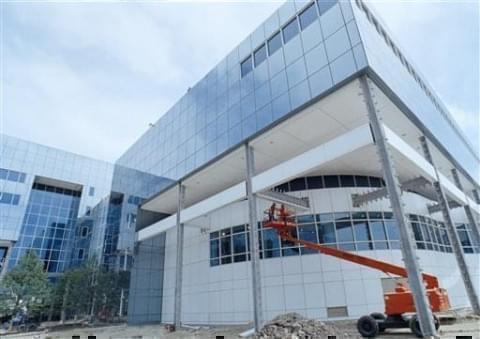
306 284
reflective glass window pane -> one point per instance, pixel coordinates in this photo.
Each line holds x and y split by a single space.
392 230
271 254
381 245
270 239
362 232
344 231
364 246
13 176
214 248
274 43
290 30
239 243
377 230
3 173
246 66
308 16
325 5
260 55
308 232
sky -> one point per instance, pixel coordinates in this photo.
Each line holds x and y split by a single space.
89 77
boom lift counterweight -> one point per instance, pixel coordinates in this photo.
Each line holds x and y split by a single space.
398 304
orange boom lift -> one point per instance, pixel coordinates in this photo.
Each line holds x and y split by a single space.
398 304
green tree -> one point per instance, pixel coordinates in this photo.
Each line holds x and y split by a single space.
26 286
74 291
107 293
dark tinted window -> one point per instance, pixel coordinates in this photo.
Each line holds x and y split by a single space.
260 55
226 246
375 182
290 30
247 66
315 182
297 184
347 181
283 187
308 16
331 181
274 43
326 233
361 181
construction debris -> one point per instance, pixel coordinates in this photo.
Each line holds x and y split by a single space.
296 326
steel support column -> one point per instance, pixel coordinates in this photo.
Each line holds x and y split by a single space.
254 250
412 266
452 232
179 262
468 211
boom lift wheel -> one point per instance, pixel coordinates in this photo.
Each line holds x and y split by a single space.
367 326
380 318
414 325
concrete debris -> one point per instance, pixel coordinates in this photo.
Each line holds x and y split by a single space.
296 326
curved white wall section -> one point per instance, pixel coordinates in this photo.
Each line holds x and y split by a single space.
308 284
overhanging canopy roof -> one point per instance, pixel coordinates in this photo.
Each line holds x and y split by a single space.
327 119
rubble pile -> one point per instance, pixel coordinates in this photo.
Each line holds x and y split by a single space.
294 325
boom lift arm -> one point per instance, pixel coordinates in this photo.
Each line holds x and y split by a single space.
397 303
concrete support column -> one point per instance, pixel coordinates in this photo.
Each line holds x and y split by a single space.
254 248
410 259
179 262
468 211
452 232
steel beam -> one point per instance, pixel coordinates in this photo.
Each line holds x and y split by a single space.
283 198
438 208
410 185
468 211
254 250
179 262
412 266
452 232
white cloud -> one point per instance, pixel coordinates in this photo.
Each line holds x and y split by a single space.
89 77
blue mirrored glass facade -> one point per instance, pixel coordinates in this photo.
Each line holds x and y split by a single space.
36 183
230 105
401 76
48 227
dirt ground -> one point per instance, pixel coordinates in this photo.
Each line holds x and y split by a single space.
467 328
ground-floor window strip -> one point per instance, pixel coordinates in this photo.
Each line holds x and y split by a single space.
351 231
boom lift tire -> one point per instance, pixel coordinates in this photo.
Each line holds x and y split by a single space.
380 318
414 325
367 326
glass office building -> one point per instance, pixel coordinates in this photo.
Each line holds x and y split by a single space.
290 90
67 207
293 86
